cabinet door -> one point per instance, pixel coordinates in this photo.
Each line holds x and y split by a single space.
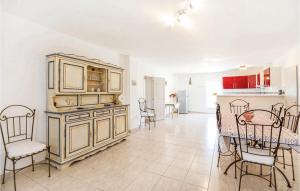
228 82
115 81
120 125
102 130
72 77
267 77
241 82
78 137
252 81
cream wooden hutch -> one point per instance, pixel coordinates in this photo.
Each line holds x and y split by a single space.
84 114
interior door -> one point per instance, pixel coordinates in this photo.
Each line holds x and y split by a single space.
72 77
159 97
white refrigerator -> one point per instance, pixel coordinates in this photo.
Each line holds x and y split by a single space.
182 96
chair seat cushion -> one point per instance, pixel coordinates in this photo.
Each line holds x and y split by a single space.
260 159
23 148
259 156
148 115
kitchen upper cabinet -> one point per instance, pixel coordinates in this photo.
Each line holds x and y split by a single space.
78 137
252 81
239 82
115 81
72 77
228 82
267 77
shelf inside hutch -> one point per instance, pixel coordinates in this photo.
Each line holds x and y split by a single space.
96 79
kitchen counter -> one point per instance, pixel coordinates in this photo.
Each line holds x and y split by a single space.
72 110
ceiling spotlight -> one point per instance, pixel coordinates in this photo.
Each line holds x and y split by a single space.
181 15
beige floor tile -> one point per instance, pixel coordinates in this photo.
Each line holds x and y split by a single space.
167 184
184 164
197 179
201 168
158 168
144 182
190 187
176 173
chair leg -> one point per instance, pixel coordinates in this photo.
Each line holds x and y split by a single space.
241 175
275 182
140 122
49 166
292 161
219 151
235 167
283 158
149 123
14 172
271 174
3 176
32 163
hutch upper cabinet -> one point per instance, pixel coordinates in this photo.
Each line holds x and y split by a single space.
115 81
72 77
83 110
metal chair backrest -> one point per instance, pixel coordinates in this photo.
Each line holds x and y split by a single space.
276 109
142 105
262 135
219 117
17 122
238 106
291 118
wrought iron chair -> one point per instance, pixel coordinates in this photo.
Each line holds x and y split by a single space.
146 113
221 139
291 122
256 140
17 126
238 106
276 109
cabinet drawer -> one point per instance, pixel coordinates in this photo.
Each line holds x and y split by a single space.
77 116
102 112
120 110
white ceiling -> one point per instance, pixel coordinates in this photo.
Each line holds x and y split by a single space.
225 33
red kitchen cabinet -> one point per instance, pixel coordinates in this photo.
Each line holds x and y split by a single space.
241 82
267 77
258 79
252 81
228 82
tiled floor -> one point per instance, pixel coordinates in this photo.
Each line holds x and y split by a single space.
178 155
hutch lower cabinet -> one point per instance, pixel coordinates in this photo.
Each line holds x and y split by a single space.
84 113
75 135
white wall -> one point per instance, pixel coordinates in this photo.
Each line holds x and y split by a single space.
200 93
288 60
140 69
